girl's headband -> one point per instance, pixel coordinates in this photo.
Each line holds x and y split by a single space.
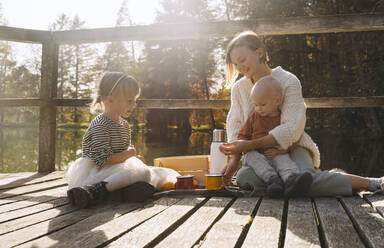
114 86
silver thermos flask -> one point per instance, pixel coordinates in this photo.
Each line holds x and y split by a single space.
218 160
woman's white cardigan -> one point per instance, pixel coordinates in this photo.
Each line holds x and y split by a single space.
291 128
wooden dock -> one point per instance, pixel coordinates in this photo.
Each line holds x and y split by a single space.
34 212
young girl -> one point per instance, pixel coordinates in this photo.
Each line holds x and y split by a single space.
109 161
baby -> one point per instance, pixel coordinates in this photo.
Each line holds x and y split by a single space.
273 165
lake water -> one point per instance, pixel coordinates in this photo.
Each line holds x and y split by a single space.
19 149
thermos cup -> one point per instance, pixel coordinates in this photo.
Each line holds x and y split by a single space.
217 159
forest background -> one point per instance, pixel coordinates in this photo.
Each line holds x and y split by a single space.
328 65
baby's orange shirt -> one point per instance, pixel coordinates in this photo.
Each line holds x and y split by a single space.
258 126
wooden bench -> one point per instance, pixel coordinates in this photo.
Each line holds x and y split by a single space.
34 212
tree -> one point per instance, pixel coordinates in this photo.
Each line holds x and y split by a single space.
116 55
82 74
179 69
75 70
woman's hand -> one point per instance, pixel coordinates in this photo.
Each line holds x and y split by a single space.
230 169
273 152
236 147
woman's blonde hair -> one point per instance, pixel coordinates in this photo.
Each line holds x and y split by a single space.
248 39
113 84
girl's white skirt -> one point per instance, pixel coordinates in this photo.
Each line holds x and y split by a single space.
85 172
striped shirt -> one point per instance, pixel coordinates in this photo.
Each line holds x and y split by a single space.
105 137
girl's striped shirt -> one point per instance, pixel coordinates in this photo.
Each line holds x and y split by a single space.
105 137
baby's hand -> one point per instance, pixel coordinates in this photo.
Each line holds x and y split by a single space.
271 152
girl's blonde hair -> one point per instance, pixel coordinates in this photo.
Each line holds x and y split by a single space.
113 84
248 39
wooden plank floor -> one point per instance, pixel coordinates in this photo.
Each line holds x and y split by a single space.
34 212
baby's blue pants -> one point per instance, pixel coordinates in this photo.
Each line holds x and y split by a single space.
325 183
266 169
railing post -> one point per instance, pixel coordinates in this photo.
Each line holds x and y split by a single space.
48 92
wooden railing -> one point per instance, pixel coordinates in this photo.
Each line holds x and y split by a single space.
323 102
278 26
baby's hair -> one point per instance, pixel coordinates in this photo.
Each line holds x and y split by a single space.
112 84
248 39
268 83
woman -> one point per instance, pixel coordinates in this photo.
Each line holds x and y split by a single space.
247 55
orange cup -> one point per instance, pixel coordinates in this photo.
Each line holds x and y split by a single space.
184 182
213 181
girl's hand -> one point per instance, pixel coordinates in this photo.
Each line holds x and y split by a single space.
131 151
141 158
236 147
273 152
